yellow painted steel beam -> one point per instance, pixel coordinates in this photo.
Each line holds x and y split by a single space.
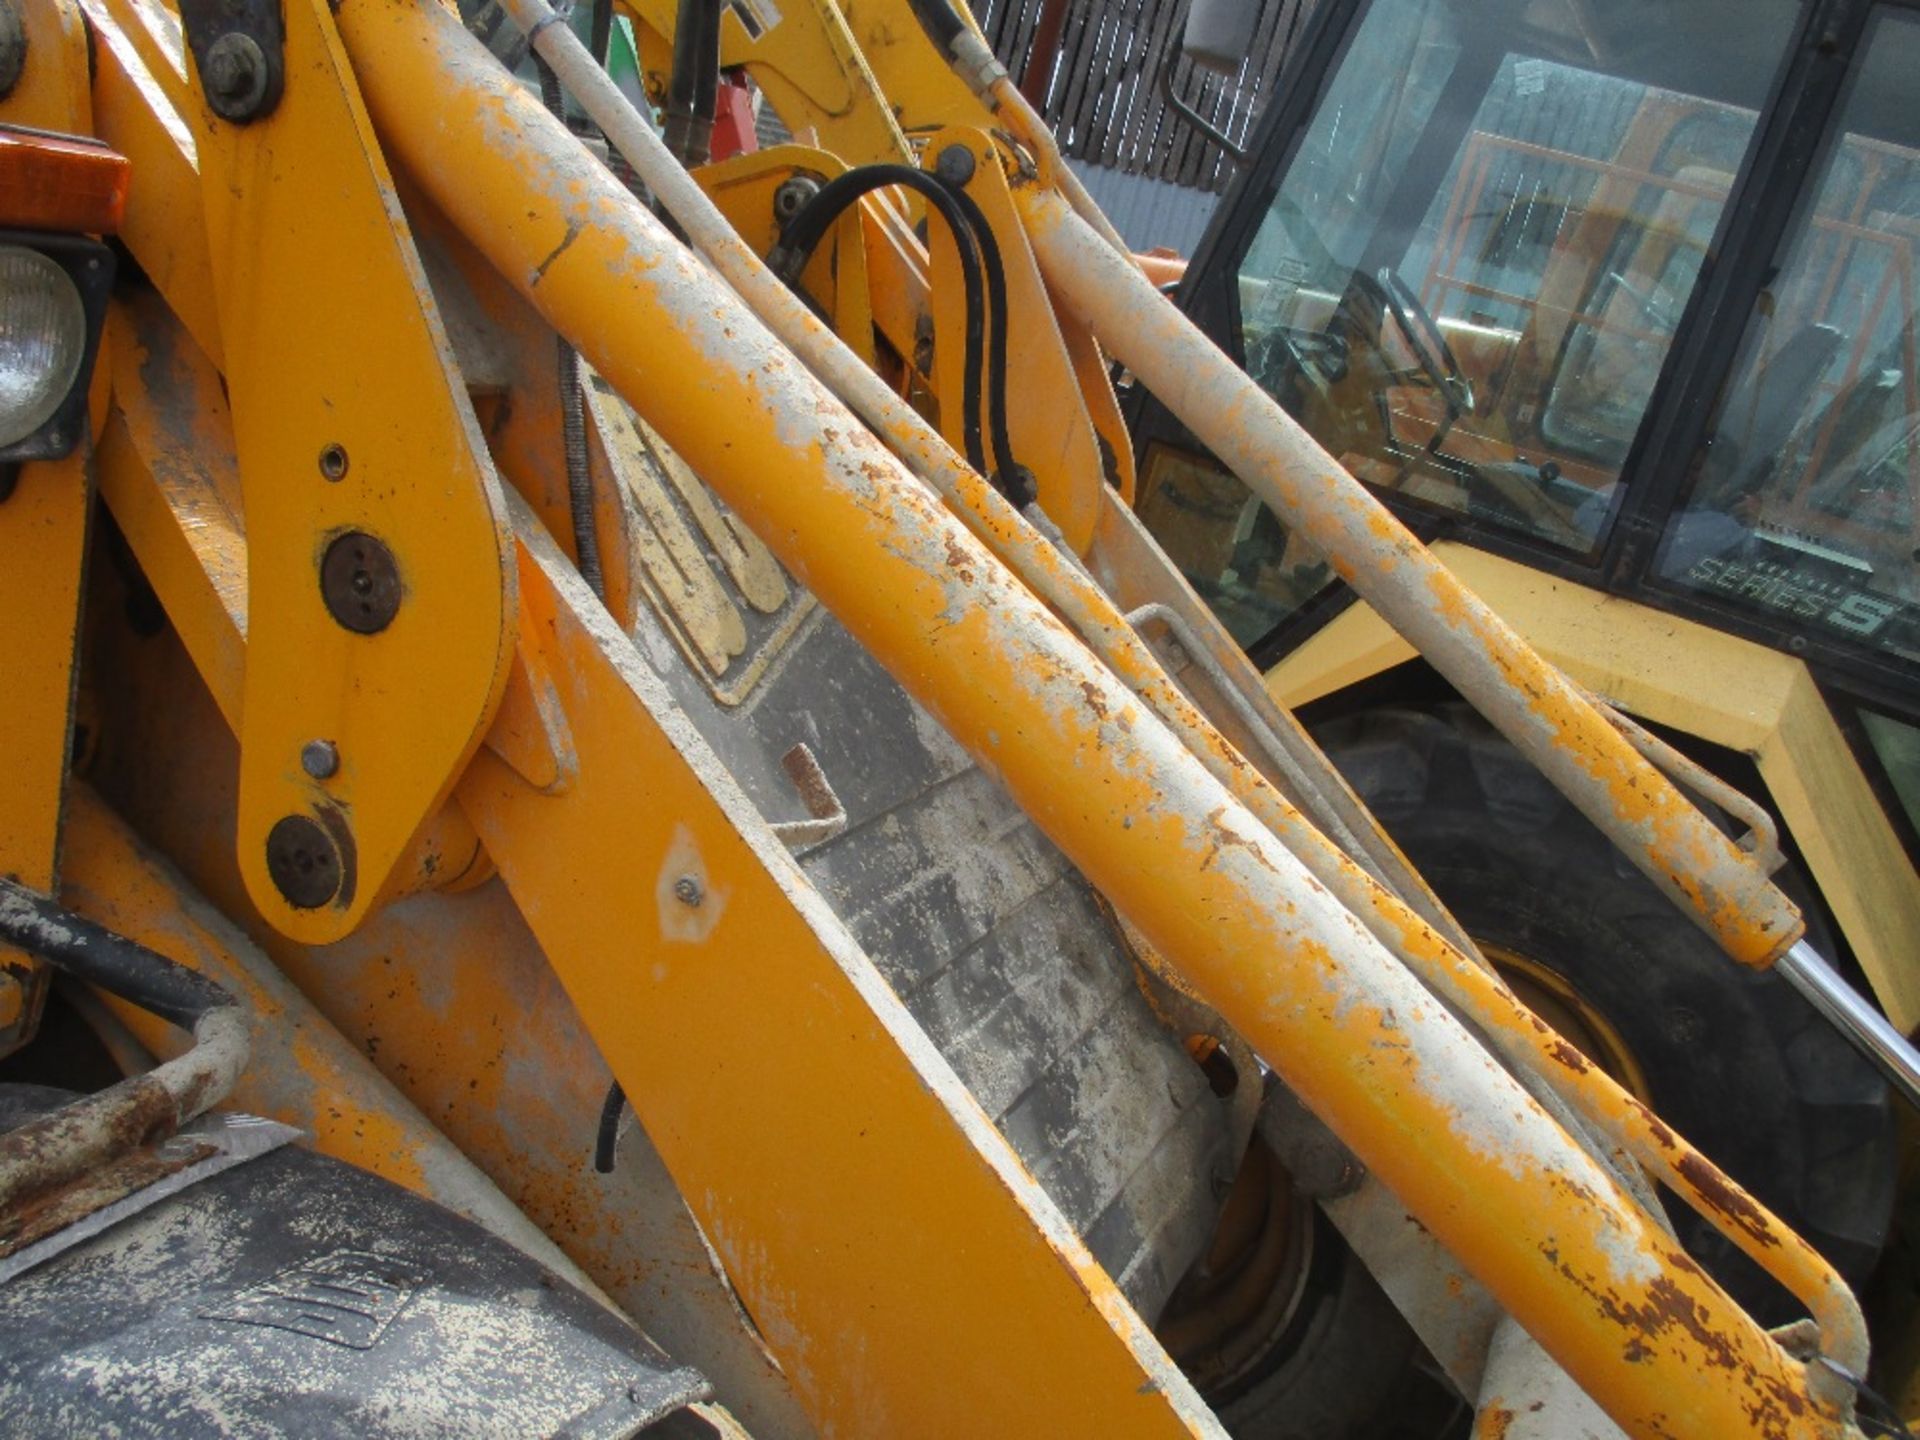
912 1278
807 62
167 472
449 997
1704 682
135 93
43 547
1545 717
302 1071
512 372
51 92
1599 1282
914 76
154 31
379 591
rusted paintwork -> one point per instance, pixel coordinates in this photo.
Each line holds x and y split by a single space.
1536 707
1762 840
302 1071
1071 594
43 1212
1550 1233
49 1152
1525 1396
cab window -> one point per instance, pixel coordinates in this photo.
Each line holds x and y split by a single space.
1801 505
1469 274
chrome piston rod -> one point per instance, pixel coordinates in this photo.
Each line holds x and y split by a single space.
1854 1016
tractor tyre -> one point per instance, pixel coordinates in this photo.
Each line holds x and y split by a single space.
1734 1059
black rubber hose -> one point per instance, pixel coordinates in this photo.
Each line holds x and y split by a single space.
607 1139
706 90
803 233
1014 480
600 31
940 20
573 411
31 922
693 87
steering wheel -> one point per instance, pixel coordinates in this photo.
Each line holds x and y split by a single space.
1283 357
1433 358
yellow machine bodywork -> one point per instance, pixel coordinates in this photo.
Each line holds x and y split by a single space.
1699 681
399 772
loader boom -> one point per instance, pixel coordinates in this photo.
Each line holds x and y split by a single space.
367 420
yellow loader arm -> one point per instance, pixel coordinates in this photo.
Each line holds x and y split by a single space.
410 413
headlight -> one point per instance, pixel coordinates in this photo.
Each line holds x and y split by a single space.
43 342
57 193
53 302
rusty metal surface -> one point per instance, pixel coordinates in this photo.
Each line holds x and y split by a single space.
1525 1396
1536 707
59 1167
461 1072
50 1214
1415 1098
1762 840
302 1071
1533 1049
48 1152
1135 571
127 1186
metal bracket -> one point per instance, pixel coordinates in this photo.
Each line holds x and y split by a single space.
379 592
828 815
240 53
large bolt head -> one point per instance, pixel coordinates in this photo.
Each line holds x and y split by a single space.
235 76
955 165
792 195
360 583
303 862
320 759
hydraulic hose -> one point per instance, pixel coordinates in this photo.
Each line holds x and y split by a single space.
1013 479
979 250
573 406
975 63
693 86
55 1150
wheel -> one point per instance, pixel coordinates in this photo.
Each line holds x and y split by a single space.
1286 1334
1733 1059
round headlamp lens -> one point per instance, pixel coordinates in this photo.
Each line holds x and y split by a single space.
43 339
